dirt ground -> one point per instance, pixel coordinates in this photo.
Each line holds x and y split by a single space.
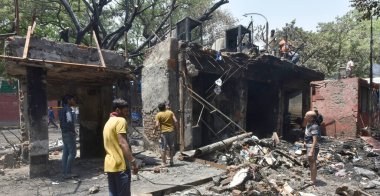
15 181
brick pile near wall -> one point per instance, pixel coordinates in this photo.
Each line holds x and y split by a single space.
149 127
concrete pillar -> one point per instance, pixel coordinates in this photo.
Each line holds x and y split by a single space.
37 118
24 129
186 103
94 113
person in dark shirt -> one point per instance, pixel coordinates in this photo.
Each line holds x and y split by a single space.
66 120
319 117
51 117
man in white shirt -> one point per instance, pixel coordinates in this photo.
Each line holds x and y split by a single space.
350 66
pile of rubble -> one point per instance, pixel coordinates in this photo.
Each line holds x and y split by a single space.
270 167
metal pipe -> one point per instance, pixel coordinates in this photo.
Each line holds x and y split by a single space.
370 76
266 26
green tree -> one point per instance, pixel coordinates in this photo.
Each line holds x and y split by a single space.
367 8
334 43
145 21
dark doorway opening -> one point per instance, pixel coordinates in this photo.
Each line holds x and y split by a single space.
292 115
262 107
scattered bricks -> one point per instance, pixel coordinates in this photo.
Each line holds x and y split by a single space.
216 180
193 192
287 189
343 190
236 192
164 170
249 185
93 190
226 181
156 170
232 169
218 189
9 160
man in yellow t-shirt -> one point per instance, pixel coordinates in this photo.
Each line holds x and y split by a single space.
166 123
118 151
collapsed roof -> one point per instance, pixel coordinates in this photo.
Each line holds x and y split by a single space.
64 62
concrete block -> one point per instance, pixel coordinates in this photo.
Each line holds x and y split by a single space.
236 192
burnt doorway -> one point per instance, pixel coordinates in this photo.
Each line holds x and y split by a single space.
209 126
262 106
292 115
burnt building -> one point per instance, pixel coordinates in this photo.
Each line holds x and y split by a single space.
48 70
218 94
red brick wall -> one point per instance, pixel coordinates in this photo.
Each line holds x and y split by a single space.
9 109
54 105
337 101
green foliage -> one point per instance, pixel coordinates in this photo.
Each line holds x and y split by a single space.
334 44
367 8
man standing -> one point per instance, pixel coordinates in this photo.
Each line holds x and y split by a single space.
311 141
118 151
350 66
66 120
51 117
166 123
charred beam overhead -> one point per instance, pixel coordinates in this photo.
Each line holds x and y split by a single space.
65 61
256 67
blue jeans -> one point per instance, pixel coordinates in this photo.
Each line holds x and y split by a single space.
119 183
69 151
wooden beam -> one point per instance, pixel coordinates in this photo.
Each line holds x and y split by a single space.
103 64
42 63
33 27
27 40
6 35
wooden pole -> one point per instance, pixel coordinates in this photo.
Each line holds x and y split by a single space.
102 63
33 27
27 40
216 146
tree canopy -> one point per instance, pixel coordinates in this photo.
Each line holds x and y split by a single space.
146 22
142 22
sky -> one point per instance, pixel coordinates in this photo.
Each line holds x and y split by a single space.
308 13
